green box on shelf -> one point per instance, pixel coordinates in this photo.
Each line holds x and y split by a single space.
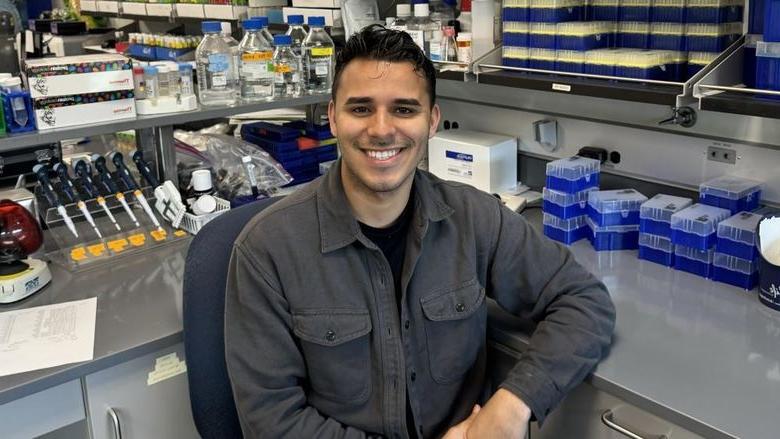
2 120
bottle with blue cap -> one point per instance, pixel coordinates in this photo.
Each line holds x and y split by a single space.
287 69
318 58
256 69
264 30
296 32
151 83
216 83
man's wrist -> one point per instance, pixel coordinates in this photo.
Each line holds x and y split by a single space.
512 402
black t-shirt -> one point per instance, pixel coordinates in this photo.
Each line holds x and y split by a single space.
392 241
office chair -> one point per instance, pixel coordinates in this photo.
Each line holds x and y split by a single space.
205 274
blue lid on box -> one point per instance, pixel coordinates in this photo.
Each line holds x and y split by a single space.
740 227
699 219
563 224
734 263
567 199
573 168
656 242
661 207
618 200
694 253
729 186
595 228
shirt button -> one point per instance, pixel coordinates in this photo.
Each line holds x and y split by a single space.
330 335
460 307
406 324
413 376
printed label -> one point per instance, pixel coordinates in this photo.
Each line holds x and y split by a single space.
321 68
561 87
165 367
435 51
219 80
256 56
218 62
322 51
282 68
253 70
418 37
459 164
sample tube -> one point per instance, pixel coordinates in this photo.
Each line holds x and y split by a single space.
14 85
185 79
164 81
152 84
138 82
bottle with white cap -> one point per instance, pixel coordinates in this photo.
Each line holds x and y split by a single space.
201 182
18 107
403 13
422 22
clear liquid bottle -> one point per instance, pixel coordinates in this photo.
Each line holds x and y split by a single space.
296 32
185 79
449 47
403 14
287 69
443 11
151 79
18 106
435 46
264 29
227 34
422 22
318 58
256 71
214 63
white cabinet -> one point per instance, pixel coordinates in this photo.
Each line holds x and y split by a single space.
147 397
44 413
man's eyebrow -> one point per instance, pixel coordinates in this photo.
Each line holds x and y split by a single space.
359 100
410 102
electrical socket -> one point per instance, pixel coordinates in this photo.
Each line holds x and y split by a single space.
723 155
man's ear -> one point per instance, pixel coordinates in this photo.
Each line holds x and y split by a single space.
332 117
435 117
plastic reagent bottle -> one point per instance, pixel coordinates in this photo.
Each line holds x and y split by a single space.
185 79
423 23
214 59
227 34
435 46
264 30
449 47
287 68
296 32
318 58
14 85
256 71
404 14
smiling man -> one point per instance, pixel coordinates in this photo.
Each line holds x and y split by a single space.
356 307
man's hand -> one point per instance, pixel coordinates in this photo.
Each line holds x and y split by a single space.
505 416
459 431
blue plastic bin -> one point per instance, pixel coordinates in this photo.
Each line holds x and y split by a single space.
655 214
583 36
556 11
635 10
633 35
570 61
542 35
696 226
565 205
573 174
711 37
615 207
667 36
613 237
735 271
737 236
566 231
694 261
515 14
668 11
603 10
658 249
713 11
736 194
767 66
11 125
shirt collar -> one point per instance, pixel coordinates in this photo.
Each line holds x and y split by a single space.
339 227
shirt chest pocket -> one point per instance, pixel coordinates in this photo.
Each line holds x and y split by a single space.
335 345
455 328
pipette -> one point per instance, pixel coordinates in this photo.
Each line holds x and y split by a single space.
70 190
143 168
84 171
108 182
42 172
125 175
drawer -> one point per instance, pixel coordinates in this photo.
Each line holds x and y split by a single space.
147 397
43 413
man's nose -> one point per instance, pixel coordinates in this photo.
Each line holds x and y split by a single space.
382 125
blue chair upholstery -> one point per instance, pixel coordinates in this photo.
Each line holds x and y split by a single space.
205 275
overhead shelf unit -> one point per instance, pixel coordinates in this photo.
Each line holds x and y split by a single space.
163 11
723 89
675 94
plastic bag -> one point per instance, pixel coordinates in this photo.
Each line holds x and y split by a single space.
223 155
359 14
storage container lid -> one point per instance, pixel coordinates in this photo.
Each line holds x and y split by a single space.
572 168
565 198
656 242
767 50
662 206
610 229
694 253
729 186
700 219
618 200
564 224
733 263
740 227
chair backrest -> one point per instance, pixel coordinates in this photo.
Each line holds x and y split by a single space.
205 275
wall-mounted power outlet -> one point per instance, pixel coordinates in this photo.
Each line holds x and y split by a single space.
723 155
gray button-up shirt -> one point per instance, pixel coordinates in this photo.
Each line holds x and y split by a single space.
315 345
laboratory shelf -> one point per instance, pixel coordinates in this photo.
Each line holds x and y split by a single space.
22 140
748 104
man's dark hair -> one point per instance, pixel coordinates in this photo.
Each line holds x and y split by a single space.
375 42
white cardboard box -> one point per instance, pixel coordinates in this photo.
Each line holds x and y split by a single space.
110 7
483 160
225 12
87 113
159 9
133 8
64 82
89 5
332 16
330 4
190 10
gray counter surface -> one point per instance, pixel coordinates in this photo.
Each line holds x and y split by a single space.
699 353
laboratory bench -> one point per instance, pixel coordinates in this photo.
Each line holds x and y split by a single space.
691 357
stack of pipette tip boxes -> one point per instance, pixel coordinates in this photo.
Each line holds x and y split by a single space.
568 183
613 219
655 228
768 50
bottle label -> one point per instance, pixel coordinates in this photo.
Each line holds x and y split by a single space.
322 51
256 56
219 80
435 54
282 68
256 70
418 37
321 68
219 62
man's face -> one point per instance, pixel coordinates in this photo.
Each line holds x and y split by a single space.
383 119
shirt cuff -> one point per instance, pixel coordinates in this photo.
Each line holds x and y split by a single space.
534 388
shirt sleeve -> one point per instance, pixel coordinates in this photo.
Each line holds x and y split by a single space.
265 366
538 279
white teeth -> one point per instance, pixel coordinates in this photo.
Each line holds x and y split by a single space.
383 155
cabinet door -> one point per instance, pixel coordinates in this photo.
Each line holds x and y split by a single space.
147 397
46 412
